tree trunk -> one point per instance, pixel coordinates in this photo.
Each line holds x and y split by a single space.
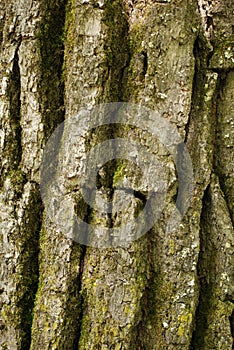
164 290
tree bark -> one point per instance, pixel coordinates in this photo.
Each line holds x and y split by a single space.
162 291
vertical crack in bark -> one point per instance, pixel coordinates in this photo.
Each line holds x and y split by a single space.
220 161
12 147
83 211
231 318
15 106
2 20
200 326
80 298
142 337
214 273
194 89
30 229
52 60
116 48
221 168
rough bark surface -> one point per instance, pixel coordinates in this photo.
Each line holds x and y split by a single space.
163 291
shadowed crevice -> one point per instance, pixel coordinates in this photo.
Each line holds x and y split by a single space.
194 85
142 337
219 160
52 60
116 49
205 292
80 298
231 319
212 304
12 141
202 54
30 230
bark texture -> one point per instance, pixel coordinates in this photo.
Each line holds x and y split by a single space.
163 291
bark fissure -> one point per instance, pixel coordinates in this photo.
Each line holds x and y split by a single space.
194 86
215 285
116 48
30 230
52 64
12 142
223 136
232 326
149 297
200 321
81 309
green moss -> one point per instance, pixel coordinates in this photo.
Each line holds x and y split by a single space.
185 321
223 56
136 37
134 81
120 173
18 179
68 34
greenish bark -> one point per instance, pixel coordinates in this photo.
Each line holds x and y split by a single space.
163 291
